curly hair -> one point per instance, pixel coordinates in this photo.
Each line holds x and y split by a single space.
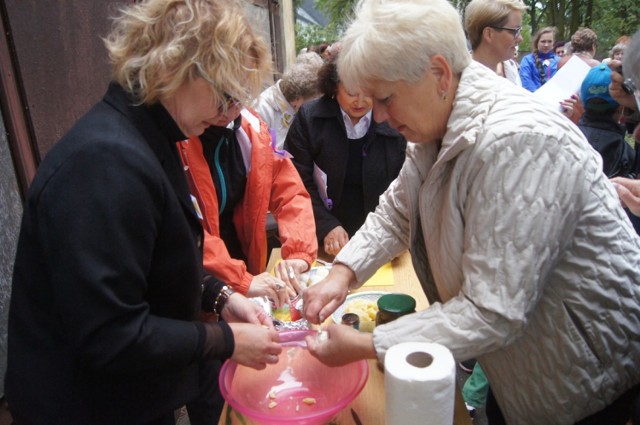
584 40
328 78
300 80
158 45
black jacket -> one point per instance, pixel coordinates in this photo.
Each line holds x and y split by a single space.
318 135
106 287
607 137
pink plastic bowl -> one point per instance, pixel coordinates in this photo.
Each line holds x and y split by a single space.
296 376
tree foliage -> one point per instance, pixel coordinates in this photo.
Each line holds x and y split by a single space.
339 12
308 35
608 18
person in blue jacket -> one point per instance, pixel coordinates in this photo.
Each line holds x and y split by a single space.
541 64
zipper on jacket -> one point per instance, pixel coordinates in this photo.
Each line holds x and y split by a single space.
223 183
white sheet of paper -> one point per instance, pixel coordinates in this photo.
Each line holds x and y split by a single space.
320 178
566 82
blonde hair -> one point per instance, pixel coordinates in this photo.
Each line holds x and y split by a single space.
158 45
394 40
480 14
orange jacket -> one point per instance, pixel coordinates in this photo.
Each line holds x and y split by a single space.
273 184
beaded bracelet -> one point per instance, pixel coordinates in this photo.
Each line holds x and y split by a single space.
221 299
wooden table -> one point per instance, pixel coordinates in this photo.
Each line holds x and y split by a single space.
370 404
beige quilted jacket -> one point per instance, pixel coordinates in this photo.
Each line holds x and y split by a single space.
531 265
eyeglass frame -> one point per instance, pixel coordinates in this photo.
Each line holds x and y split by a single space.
229 102
515 31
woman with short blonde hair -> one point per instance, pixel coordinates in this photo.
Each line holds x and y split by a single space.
481 14
494 28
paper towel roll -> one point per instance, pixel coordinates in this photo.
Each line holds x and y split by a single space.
419 381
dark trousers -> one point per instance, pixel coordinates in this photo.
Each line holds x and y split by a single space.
207 408
617 413
204 410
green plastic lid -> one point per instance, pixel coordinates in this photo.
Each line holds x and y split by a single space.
397 303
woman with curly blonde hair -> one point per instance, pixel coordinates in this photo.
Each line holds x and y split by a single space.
108 283
548 302
187 40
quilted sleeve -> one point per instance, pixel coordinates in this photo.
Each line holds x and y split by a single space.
520 199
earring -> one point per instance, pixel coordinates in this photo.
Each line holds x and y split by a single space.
444 95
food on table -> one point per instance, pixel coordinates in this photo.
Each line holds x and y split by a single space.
366 310
283 314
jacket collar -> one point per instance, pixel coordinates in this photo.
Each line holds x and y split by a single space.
476 94
325 107
548 55
602 124
160 132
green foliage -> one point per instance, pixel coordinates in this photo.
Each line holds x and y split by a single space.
339 12
608 18
612 20
307 35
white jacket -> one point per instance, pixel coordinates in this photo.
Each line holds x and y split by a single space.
533 260
274 109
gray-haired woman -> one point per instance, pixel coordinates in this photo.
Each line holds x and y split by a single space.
279 103
523 250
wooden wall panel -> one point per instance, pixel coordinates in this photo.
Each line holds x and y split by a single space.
57 66
60 59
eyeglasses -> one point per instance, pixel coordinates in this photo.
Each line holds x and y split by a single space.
515 31
230 102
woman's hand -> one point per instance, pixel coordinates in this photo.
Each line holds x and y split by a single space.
629 193
569 106
322 299
335 240
289 272
270 286
255 346
343 345
240 309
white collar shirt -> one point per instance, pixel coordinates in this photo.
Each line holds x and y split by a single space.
360 129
